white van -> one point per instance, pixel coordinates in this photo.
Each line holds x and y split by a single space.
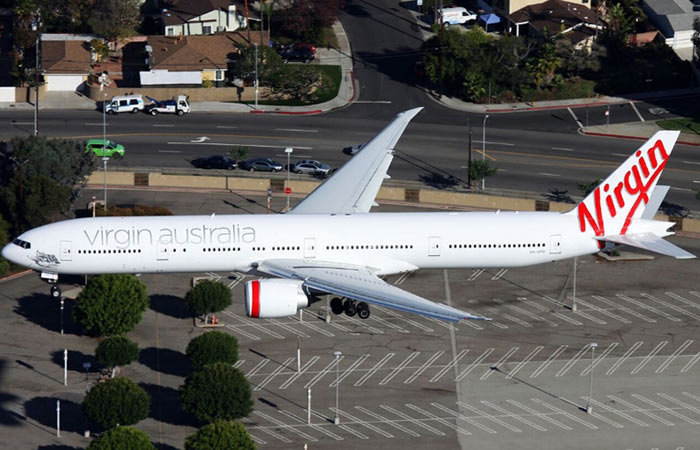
125 103
456 16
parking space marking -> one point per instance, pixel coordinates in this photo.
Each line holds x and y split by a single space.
548 361
602 418
540 415
274 373
283 425
288 328
363 423
405 319
572 361
349 370
374 369
459 416
682 300
605 312
257 439
257 367
522 363
622 414
668 410
674 355
679 402
564 413
644 361
635 408
317 328
412 420
423 367
442 323
474 364
507 413
326 431
490 417
475 274
503 360
316 427
353 432
236 330
399 368
624 357
524 312
691 363
624 309
449 366
678 309
238 363
383 419
647 307
566 318
269 432
388 324
260 325
590 317
499 274
323 372
302 370
599 359
445 422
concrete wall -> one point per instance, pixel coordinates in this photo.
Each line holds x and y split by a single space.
113 178
7 94
187 181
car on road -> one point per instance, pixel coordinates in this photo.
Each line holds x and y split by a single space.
352 150
261 165
311 167
303 54
131 103
98 147
215 162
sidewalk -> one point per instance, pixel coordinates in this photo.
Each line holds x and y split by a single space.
636 130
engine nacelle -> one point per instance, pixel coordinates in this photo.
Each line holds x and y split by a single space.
274 298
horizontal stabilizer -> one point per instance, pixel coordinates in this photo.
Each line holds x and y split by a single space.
650 242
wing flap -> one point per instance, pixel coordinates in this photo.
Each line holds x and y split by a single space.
650 242
358 283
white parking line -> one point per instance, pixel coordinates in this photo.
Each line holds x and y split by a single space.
281 424
353 432
578 122
548 361
540 415
363 423
474 364
499 274
620 154
599 359
670 411
323 372
498 363
459 416
317 328
363 323
692 162
296 375
383 419
244 333
522 363
374 369
257 368
475 274
288 328
682 300
271 376
169 151
572 361
624 309
296 130
673 356
412 420
564 413
622 414
350 369
524 312
409 321
438 419
388 324
399 368
603 418
640 410
516 320
238 363
449 366
490 417
648 358
634 107
605 312
269 432
257 439
622 359
259 325
422 368
507 413
566 318
590 317
691 363
161 125
647 307
670 306
316 427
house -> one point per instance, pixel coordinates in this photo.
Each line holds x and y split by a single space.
674 19
65 61
200 17
577 23
510 6
191 60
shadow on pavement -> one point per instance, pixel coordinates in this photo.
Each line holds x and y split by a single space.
45 311
170 305
166 361
43 410
76 360
58 447
7 417
166 407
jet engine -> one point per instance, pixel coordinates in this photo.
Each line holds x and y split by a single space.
274 298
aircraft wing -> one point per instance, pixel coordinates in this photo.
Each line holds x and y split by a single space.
353 187
359 283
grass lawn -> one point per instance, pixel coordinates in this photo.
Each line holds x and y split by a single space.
684 124
331 73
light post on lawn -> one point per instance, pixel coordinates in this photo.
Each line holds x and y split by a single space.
288 151
337 384
104 143
483 149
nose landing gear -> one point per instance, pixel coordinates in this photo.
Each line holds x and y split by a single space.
350 307
55 291
52 279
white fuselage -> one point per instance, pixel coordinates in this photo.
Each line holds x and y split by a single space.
387 242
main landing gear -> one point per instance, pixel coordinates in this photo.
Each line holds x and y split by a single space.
52 279
350 307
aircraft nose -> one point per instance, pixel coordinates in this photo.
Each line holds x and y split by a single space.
11 253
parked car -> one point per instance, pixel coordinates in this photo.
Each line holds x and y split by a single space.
304 55
311 167
215 162
310 47
98 147
456 16
261 164
125 103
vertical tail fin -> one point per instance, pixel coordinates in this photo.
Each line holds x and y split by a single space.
625 194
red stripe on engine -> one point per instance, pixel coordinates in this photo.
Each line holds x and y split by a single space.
255 300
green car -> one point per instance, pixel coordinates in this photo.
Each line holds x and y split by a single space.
98 148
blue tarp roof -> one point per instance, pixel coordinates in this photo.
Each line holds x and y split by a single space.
489 19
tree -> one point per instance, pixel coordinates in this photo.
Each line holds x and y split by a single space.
481 169
239 153
543 65
115 19
116 351
39 179
217 392
616 35
118 401
122 438
111 304
208 297
212 347
305 19
696 41
587 188
269 63
221 435
4 239
297 82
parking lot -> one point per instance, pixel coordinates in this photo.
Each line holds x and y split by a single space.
518 381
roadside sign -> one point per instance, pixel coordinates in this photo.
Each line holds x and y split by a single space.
287 190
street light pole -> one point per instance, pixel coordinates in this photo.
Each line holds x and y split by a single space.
256 77
104 164
104 143
589 408
483 149
469 163
37 27
337 384
288 151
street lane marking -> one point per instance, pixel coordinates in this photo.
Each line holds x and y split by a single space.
422 368
474 364
383 419
578 122
162 125
634 107
624 309
620 154
86 123
507 413
540 415
271 376
296 147
572 361
374 369
229 127
503 360
564 149
666 409
644 361
692 162
647 307
303 369
296 130
549 174
599 359
412 420
169 151
522 363
490 417
464 418
350 369
362 422
622 414
450 365
622 359
323 372
691 363
640 410
383 102
673 356
548 361
398 368
564 413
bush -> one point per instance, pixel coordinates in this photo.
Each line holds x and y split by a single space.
217 392
221 435
117 351
118 401
208 297
111 304
122 438
212 347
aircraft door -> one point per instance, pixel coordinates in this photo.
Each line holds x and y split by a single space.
309 247
162 254
66 251
434 246
555 244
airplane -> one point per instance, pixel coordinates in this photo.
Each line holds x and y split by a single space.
331 244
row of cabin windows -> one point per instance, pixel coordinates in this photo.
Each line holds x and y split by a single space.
102 252
367 247
255 249
496 245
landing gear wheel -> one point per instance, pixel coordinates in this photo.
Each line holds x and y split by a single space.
363 310
349 307
336 305
55 291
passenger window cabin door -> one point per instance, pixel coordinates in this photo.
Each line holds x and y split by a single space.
555 244
309 247
434 246
66 254
162 253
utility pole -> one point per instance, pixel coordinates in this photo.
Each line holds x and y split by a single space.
440 38
483 150
469 163
36 25
256 77
589 408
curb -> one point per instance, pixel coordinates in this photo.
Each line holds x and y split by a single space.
290 113
16 275
638 138
571 105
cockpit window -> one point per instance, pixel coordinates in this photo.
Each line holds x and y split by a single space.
23 244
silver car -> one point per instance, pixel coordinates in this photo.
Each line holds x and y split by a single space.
311 167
